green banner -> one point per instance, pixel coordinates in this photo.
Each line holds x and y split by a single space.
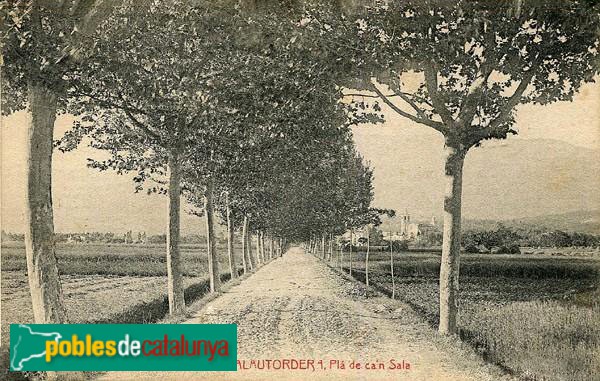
104 347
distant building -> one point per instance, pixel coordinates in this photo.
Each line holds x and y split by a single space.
392 236
401 229
357 236
406 230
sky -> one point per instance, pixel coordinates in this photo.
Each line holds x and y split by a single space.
88 200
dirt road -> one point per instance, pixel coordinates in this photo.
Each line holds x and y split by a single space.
298 308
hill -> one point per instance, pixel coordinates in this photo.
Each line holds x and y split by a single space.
581 221
506 180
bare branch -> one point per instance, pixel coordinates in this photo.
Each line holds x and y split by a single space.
469 107
417 98
493 128
512 101
438 103
138 123
405 97
426 121
142 126
366 95
412 104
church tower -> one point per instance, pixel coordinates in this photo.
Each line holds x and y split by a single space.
404 223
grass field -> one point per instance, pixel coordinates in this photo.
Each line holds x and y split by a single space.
104 283
114 259
538 316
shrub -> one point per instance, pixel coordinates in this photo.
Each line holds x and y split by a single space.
471 248
509 249
400 245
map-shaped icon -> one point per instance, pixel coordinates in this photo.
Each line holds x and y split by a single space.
28 345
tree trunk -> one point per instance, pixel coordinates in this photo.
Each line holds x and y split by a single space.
350 253
211 247
323 246
262 247
42 269
341 256
258 259
251 259
230 253
367 259
330 247
392 267
449 269
265 244
271 247
174 277
245 245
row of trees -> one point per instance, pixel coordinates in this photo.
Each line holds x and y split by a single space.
506 237
474 63
229 107
239 105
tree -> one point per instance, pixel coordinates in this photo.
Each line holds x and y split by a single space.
477 61
150 100
373 234
41 42
392 267
294 143
230 249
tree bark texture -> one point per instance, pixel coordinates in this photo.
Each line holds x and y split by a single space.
245 245
211 246
42 270
350 253
367 259
258 257
230 250
449 269
174 276
251 258
262 247
392 267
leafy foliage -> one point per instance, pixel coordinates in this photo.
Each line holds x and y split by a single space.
242 97
479 60
42 42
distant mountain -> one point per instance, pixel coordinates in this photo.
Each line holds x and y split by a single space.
503 180
582 221
528 178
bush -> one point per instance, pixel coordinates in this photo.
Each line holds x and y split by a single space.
346 248
400 246
471 248
509 249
